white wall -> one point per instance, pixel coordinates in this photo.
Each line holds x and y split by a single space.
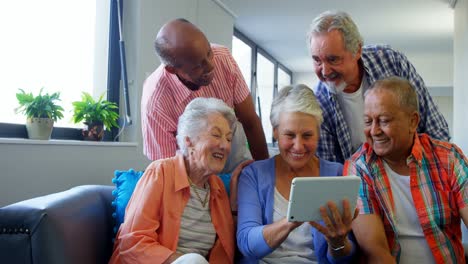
307 78
33 168
445 104
436 69
460 84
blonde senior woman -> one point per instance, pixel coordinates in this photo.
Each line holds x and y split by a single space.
180 211
264 235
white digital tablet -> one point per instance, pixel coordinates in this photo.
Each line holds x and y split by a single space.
309 193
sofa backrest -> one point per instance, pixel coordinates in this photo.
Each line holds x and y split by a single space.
74 226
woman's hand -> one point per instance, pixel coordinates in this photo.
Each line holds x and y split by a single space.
275 233
337 226
233 183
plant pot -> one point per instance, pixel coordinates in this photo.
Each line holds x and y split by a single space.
39 128
94 131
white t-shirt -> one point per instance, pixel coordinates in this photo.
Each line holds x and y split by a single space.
239 150
352 106
414 247
299 246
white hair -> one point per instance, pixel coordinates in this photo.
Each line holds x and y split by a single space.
194 119
334 20
297 98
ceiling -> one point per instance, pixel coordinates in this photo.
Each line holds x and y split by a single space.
280 26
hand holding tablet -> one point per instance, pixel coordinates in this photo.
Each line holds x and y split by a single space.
308 194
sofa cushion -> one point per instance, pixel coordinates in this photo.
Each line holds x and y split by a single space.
125 182
226 178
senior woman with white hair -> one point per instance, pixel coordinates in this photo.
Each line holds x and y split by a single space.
264 235
180 211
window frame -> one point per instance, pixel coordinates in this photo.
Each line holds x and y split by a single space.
277 65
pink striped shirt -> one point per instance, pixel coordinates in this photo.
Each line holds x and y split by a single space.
164 99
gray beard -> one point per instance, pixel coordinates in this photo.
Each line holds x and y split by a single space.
336 89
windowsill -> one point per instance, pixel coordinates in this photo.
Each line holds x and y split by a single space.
66 142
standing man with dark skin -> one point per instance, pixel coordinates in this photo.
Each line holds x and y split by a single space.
193 67
346 68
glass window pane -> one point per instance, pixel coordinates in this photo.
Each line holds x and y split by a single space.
265 86
50 44
242 53
284 78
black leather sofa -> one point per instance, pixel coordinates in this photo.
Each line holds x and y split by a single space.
74 226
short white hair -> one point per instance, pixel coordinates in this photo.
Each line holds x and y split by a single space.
194 119
341 21
295 98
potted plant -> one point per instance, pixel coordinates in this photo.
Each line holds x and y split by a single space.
98 116
41 112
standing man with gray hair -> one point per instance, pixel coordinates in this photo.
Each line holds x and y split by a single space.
192 67
346 68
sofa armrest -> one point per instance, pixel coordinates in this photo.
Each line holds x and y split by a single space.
74 226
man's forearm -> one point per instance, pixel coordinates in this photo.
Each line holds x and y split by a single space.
379 255
370 235
257 142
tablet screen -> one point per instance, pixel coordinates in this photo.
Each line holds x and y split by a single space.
309 193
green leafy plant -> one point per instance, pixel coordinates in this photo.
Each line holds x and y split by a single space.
92 111
41 106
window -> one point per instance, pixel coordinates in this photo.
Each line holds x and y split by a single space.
263 73
265 91
61 46
243 56
284 78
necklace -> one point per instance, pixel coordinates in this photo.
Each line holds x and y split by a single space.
204 201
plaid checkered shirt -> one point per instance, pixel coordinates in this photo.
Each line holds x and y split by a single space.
379 61
438 183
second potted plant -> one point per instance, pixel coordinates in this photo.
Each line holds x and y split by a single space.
98 116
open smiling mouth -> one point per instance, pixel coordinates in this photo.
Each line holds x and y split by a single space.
380 141
332 76
218 155
297 155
